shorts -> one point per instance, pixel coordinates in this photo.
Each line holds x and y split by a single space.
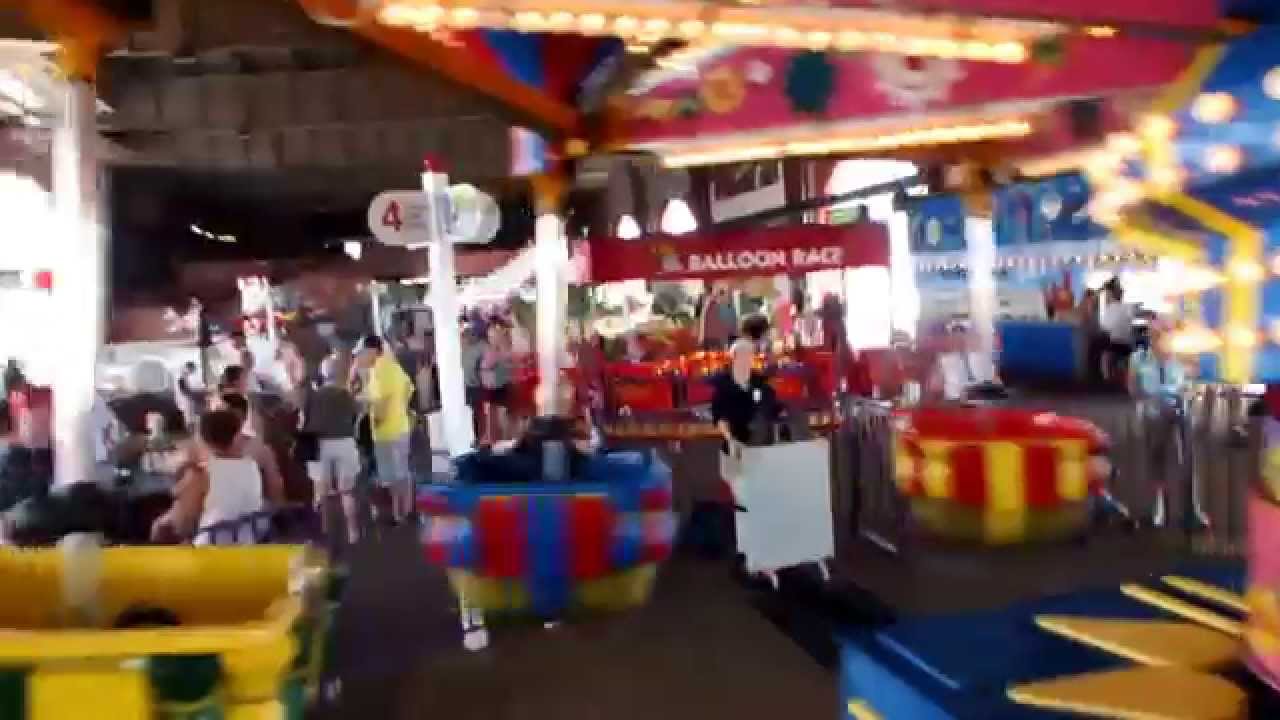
499 396
336 466
392 459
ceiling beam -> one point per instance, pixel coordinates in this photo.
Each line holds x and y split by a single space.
82 29
458 65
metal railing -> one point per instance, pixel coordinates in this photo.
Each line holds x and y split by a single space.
1210 460
289 524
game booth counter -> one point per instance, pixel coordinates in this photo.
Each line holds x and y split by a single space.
666 399
1196 639
1048 253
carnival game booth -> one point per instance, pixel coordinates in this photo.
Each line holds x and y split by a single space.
1048 252
667 399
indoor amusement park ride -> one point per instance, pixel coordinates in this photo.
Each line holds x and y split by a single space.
772 79
1196 184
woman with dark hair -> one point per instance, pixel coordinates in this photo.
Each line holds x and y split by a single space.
755 328
495 377
225 485
1117 323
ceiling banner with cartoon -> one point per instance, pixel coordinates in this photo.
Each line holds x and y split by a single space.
748 252
1174 14
757 90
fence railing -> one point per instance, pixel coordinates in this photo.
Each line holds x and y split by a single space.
1204 466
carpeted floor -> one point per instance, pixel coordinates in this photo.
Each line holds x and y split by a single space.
699 650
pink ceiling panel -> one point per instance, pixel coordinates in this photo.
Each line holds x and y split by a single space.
1191 14
755 89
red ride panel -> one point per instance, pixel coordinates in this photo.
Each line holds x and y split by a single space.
590 534
502 533
1040 463
969 473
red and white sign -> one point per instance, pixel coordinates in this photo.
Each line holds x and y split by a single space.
26 280
752 252
400 218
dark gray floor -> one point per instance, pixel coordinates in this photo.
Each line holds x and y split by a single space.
698 650
705 647
942 580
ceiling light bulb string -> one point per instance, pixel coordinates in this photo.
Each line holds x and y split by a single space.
363 9
642 26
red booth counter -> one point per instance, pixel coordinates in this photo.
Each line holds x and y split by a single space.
667 400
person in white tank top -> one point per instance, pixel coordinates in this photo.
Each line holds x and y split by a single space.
225 486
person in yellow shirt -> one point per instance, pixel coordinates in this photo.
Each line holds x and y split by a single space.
388 393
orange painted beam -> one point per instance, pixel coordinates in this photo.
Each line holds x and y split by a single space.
539 110
81 27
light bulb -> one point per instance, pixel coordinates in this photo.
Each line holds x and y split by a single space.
677 218
1271 83
1223 159
1214 108
628 228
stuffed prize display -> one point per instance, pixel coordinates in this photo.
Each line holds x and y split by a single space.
521 545
998 476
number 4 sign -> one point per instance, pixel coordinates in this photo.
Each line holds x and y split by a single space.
400 218
391 217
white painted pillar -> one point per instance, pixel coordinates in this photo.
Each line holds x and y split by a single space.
79 282
905 296
458 433
981 242
375 307
551 255
269 308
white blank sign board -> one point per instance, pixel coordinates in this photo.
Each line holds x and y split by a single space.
786 490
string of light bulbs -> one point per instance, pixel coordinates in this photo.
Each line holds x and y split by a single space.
647 23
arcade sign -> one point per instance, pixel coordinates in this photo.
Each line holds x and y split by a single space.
753 252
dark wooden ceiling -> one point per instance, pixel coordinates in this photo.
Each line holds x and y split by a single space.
247 118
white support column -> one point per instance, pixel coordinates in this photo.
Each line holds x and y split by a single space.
551 256
905 296
269 309
981 242
459 435
79 282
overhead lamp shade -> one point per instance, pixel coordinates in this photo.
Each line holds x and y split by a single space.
677 218
628 228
